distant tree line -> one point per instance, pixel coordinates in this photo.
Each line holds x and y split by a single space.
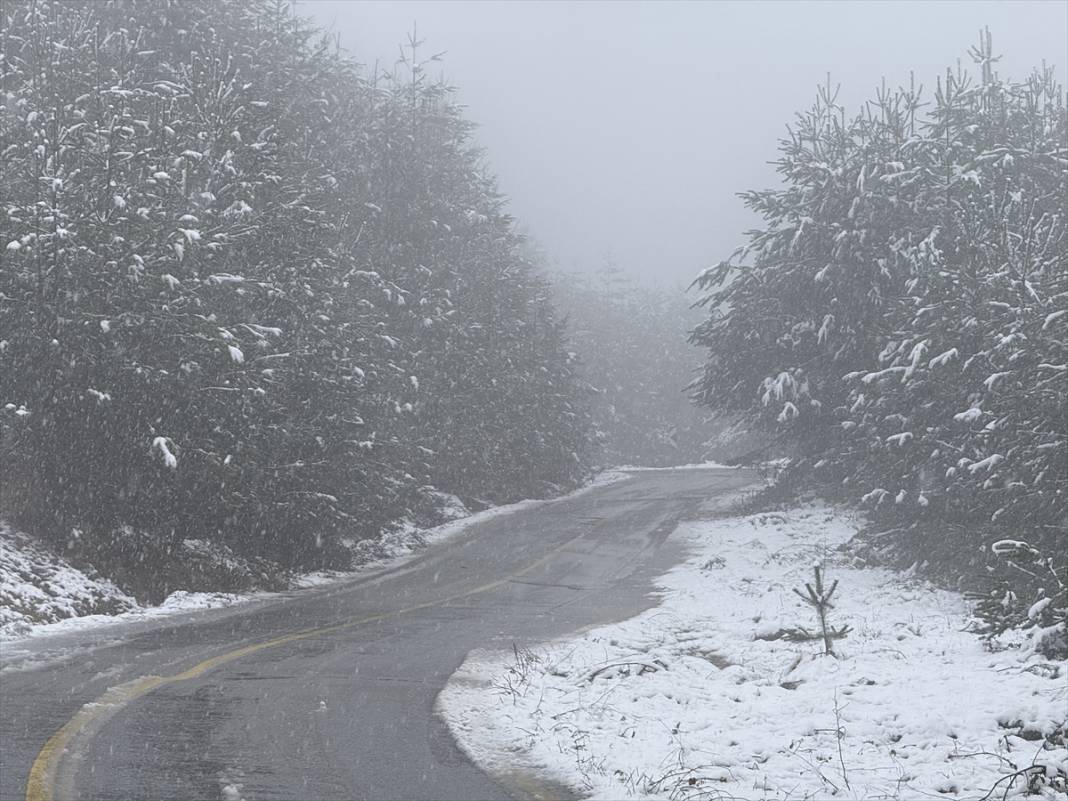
631 337
254 295
902 317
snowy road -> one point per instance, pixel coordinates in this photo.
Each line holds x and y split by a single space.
330 695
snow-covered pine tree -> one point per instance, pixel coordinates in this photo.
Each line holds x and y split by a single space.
234 267
900 316
189 315
470 309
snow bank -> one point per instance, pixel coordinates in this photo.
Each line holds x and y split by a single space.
409 539
41 594
633 468
37 587
703 697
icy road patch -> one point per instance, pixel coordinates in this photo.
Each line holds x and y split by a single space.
702 698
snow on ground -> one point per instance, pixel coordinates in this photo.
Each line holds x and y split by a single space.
41 594
408 540
38 587
700 698
631 468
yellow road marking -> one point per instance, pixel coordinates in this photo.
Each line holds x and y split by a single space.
41 782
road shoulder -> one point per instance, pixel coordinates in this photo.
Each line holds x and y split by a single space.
709 694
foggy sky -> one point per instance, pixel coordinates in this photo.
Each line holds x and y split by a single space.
627 127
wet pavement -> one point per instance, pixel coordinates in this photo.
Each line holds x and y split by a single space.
329 693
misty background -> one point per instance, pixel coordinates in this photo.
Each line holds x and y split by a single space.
624 129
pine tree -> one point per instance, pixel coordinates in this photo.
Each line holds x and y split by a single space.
240 280
900 318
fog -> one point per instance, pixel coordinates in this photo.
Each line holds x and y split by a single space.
626 128
315 485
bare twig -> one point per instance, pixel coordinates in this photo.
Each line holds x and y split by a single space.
840 734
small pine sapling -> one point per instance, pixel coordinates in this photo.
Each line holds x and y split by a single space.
819 599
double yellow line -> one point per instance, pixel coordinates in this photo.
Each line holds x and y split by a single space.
41 782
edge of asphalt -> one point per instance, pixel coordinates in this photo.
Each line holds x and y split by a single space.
40 649
527 783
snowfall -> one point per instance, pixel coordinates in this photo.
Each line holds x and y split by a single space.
702 697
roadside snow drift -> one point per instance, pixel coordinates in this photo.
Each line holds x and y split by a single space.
38 587
708 696
41 594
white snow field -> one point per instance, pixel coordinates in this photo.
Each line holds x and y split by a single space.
697 698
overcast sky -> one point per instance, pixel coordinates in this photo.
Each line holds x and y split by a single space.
627 127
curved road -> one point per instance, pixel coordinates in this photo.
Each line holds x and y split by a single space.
329 694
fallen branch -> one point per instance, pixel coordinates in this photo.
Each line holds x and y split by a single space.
644 667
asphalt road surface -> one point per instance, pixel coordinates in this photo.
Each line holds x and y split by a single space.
329 694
